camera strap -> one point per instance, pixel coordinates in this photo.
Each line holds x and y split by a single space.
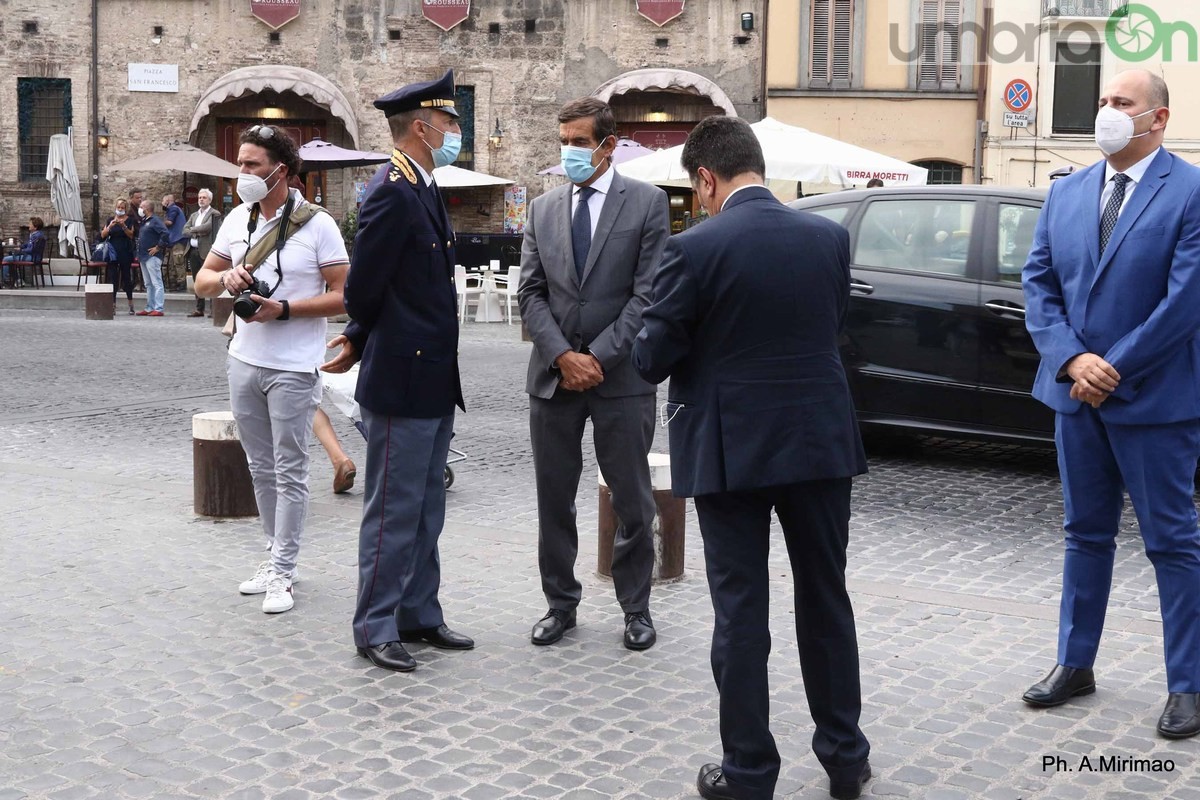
292 220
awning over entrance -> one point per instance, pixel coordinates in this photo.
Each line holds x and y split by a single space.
280 78
642 80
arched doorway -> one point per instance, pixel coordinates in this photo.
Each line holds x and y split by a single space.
301 102
658 108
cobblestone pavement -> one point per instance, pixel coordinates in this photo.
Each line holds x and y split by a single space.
130 667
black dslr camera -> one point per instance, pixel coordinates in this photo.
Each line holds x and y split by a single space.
246 308
243 306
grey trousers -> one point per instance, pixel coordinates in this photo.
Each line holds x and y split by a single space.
623 430
274 412
404 509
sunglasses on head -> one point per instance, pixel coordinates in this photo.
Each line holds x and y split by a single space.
261 131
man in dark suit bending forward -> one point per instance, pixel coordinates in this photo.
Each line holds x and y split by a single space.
745 316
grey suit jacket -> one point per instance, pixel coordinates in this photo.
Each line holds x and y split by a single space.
603 313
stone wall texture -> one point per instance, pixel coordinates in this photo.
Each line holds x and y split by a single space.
524 58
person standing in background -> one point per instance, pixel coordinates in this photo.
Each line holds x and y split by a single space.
153 239
199 229
173 264
119 232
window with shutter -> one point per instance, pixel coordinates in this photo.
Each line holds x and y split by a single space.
832 43
940 31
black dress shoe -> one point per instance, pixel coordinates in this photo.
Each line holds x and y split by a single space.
1181 718
441 636
1059 686
843 789
390 655
639 631
712 785
550 628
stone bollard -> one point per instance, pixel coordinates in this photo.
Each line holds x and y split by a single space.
222 307
98 301
669 516
220 477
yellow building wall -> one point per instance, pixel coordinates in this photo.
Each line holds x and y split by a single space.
907 125
911 130
1016 157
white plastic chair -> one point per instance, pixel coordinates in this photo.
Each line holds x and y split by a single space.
507 287
466 287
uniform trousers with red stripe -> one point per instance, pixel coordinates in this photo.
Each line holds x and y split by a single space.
404 509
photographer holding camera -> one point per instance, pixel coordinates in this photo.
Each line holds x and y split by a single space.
285 262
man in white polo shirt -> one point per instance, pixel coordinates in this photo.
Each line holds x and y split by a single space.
274 387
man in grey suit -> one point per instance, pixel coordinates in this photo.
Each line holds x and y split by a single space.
587 264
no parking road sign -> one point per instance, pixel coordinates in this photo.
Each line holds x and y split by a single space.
1018 96
1018 99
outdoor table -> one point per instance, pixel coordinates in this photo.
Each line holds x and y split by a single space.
488 309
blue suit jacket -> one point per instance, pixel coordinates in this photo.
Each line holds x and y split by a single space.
1137 306
400 295
746 313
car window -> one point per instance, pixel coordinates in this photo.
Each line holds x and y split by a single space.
919 235
833 213
1017 224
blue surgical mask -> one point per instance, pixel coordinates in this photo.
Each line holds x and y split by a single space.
451 144
577 162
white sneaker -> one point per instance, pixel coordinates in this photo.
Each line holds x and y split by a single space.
279 594
258 584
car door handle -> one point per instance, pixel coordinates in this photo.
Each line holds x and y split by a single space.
860 287
1005 309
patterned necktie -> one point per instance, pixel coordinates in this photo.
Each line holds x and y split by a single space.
1113 209
581 230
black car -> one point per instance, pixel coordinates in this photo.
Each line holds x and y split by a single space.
935 337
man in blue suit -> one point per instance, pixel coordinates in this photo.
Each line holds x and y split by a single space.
1112 289
400 294
746 314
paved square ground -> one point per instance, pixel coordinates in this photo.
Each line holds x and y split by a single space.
130 667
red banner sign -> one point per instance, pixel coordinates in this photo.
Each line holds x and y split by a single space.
660 12
275 13
445 13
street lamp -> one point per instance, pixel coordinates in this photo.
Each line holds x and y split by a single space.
497 138
102 134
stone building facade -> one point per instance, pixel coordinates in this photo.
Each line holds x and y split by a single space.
516 63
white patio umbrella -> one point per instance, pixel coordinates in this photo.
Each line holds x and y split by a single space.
452 177
180 157
64 192
794 155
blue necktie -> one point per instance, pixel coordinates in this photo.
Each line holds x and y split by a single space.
1113 209
581 230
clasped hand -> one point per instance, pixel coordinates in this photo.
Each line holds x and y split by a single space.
1095 379
580 371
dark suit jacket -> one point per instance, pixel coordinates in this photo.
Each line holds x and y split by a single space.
400 295
1135 306
746 314
604 312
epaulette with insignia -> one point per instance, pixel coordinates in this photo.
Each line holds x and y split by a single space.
400 166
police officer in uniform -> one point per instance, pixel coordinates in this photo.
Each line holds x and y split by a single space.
400 295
